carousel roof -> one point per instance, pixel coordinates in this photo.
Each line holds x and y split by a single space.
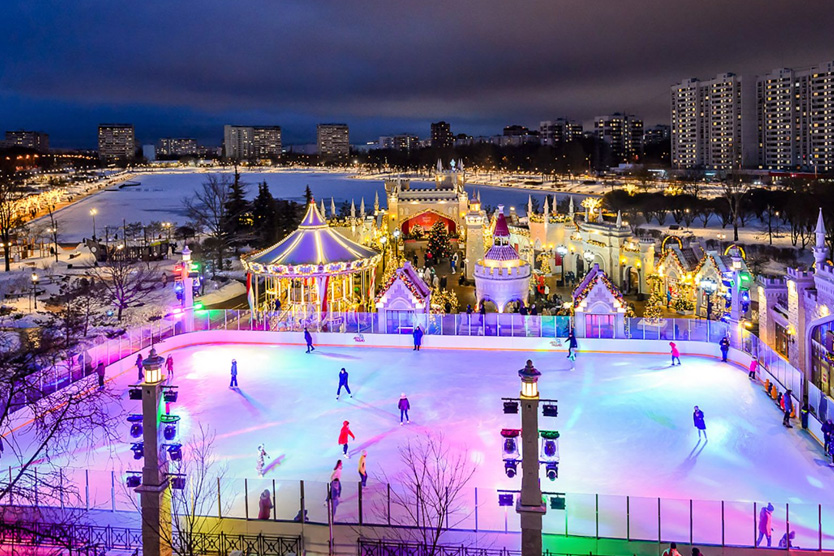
313 248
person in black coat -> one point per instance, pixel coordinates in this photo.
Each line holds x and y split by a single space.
309 339
698 421
828 433
724 344
572 346
418 338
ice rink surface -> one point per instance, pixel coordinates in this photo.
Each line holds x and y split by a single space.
625 419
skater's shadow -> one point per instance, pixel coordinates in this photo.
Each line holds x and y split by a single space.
374 409
370 442
688 464
274 463
339 356
255 407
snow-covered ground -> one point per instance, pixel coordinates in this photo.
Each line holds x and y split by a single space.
625 421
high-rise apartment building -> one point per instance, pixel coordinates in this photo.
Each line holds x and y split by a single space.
713 124
251 142
559 131
656 134
116 142
795 119
176 146
36 140
623 133
441 135
333 140
402 142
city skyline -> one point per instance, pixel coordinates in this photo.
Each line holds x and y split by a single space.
480 66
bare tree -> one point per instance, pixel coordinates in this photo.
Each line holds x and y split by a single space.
429 501
208 208
125 280
734 191
10 216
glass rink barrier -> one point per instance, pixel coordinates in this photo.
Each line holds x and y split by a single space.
630 518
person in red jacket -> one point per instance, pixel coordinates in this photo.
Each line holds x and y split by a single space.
343 437
676 355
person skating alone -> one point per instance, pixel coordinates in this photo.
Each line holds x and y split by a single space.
724 344
403 406
754 366
100 372
139 367
572 346
233 383
676 355
788 409
335 488
418 338
343 437
827 433
169 366
765 524
363 472
698 419
262 455
343 382
309 339
265 505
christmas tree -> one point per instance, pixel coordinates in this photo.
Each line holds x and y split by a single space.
438 242
655 304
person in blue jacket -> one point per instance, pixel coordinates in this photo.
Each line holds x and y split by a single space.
233 383
724 344
343 383
309 339
418 338
698 420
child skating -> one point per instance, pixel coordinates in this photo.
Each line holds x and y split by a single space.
343 383
676 355
403 406
233 382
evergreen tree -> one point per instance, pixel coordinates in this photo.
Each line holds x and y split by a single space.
264 215
656 301
438 242
238 208
308 196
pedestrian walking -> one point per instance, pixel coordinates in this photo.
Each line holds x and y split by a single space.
343 437
418 338
343 382
468 308
572 345
676 355
139 367
264 505
403 406
363 472
672 550
698 420
169 366
788 410
453 262
765 524
233 383
309 339
262 455
724 344
754 367
100 372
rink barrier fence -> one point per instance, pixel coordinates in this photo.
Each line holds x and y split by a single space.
773 367
585 516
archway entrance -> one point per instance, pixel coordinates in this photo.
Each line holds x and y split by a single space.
424 222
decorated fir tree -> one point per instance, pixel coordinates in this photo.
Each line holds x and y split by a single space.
438 243
656 302
682 301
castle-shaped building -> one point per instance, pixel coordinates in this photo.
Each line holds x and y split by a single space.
795 315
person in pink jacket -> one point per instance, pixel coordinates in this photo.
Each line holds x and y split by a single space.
676 355
754 367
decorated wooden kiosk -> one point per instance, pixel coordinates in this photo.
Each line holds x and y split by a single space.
598 306
313 274
403 301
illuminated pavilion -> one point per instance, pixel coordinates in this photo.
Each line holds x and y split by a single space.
502 276
313 272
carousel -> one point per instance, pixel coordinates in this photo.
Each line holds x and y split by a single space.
312 273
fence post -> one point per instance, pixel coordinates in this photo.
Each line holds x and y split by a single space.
658 520
87 488
360 502
36 487
819 526
246 496
628 519
301 502
690 521
61 489
722 523
787 522
476 513
754 522
112 491
389 502
596 507
274 499
219 505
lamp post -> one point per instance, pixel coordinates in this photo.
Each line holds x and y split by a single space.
589 257
529 505
383 240
154 492
34 291
93 213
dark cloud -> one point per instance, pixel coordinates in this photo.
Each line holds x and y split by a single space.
187 67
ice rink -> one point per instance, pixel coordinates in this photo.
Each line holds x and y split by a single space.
625 422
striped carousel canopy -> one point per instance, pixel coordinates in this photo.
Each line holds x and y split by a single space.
313 249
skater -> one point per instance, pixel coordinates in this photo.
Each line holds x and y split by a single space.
343 382
418 338
572 345
169 365
827 434
335 488
787 540
765 524
233 383
698 419
754 366
343 437
139 367
676 355
403 406
363 473
724 344
264 505
309 339
100 372
788 409
261 456
672 550
830 451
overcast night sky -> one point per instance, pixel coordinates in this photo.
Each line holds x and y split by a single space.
185 68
